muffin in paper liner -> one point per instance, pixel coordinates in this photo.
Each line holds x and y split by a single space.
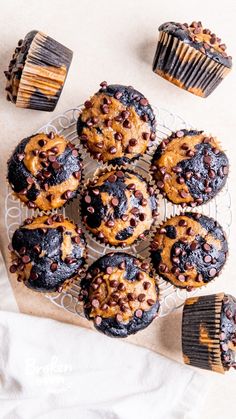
117 125
209 332
48 253
120 294
45 171
37 72
191 58
189 250
98 231
189 167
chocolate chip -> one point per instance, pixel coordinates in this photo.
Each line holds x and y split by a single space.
91 210
194 245
42 142
177 169
180 180
207 259
77 175
206 247
109 270
121 287
146 285
119 318
56 165
183 194
26 259
13 269
124 217
150 302
110 223
53 266
138 194
140 276
133 222
144 266
143 102
118 136
212 272
144 202
112 178
139 313
119 174
179 134
177 251
103 84
190 231
181 278
98 320
207 160
88 104
67 195
190 153
142 216
114 283
118 95
141 297
133 142
145 136
127 123
105 109
87 199
115 202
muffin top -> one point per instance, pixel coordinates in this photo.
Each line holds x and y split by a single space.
202 39
16 65
189 250
117 124
47 251
119 207
190 167
120 294
45 171
228 332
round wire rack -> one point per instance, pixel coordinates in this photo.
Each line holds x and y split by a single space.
219 208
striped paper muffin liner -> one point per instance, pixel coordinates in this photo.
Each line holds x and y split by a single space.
187 67
44 74
201 329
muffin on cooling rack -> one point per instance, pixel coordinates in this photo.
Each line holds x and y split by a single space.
120 294
209 332
189 250
117 124
37 72
189 167
44 171
118 207
191 57
47 252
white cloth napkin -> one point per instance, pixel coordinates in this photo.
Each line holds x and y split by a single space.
51 370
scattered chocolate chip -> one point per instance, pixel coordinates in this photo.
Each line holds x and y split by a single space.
42 142
109 270
88 104
110 223
126 123
207 259
190 231
118 95
119 318
181 278
91 210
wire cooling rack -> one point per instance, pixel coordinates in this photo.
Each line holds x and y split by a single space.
218 208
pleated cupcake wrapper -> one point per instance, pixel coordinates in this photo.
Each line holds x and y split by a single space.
39 212
105 169
68 283
186 66
44 74
189 207
152 236
201 329
150 147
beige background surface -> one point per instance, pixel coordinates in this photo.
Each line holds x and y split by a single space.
115 41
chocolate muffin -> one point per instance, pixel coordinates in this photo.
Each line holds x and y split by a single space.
191 57
37 72
47 252
190 168
119 207
189 250
117 124
44 171
120 295
209 332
